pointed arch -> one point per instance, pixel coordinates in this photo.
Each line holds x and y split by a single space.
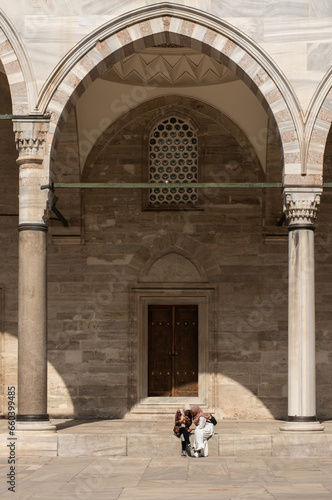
185 268
318 124
166 105
185 26
16 63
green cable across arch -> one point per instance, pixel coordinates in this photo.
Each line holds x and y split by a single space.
168 185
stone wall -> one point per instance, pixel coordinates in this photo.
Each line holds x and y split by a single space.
94 263
93 334
323 258
8 247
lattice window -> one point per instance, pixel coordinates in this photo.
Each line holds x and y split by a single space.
173 158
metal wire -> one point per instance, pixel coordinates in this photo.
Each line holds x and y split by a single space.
168 185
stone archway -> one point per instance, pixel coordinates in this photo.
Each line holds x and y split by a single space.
169 24
18 69
164 104
186 27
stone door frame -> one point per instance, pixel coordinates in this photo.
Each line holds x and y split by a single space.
162 295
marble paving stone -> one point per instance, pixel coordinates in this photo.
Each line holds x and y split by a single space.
70 445
161 478
125 461
284 463
30 487
168 461
28 460
239 463
208 465
207 479
109 471
304 476
96 495
188 493
327 483
307 491
164 476
94 483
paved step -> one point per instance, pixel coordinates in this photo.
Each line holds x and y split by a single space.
75 438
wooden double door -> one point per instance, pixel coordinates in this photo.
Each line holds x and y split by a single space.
173 350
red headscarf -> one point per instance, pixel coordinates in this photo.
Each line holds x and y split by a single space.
197 413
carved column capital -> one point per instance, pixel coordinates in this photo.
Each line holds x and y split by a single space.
31 135
301 206
31 140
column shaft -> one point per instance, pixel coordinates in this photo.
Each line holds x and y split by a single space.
300 206
301 336
32 354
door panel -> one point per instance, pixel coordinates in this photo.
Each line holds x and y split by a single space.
173 350
186 350
160 345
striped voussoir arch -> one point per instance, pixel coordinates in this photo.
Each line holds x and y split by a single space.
171 29
16 80
319 136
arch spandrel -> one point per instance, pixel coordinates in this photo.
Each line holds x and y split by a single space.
318 125
190 28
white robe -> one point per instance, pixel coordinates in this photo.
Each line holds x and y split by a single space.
203 432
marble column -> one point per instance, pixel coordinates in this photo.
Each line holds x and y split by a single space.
300 206
31 137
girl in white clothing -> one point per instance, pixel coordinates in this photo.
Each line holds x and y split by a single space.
204 430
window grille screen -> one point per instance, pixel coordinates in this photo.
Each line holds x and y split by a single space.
173 158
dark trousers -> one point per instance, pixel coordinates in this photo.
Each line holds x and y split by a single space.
184 432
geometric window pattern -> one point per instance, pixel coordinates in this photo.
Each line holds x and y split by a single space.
173 158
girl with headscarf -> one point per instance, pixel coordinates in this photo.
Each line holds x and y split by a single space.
183 420
204 430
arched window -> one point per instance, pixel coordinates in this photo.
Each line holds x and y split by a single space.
173 158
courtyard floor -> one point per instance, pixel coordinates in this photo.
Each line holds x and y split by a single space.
169 478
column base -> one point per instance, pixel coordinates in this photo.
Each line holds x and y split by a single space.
309 426
34 426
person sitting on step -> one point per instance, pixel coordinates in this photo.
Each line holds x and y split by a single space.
204 430
183 420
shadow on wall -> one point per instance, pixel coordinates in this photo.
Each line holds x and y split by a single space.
94 353
95 323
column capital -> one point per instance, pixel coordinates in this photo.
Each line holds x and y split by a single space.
301 206
31 136
31 139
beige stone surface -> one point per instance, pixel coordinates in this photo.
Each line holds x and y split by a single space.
304 444
41 444
234 240
217 478
280 28
70 445
155 439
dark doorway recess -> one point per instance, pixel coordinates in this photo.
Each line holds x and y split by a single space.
173 350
